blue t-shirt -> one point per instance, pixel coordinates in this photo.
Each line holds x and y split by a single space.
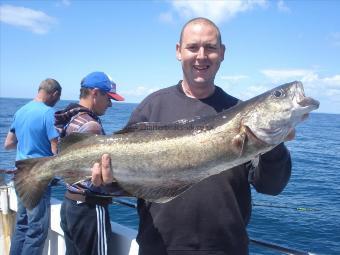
33 126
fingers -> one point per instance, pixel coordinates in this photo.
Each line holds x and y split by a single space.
291 135
305 116
107 174
96 175
102 172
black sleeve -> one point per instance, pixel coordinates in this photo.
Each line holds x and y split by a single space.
140 114
272 172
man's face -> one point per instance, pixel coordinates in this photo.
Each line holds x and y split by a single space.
101 102
200 53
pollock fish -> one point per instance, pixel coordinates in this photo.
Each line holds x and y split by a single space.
159 161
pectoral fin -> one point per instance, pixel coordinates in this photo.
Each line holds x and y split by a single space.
239 142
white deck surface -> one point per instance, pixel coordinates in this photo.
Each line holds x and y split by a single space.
124 237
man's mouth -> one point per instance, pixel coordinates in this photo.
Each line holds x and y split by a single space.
201 67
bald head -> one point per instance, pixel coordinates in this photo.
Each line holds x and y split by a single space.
49 92
201 21
50 86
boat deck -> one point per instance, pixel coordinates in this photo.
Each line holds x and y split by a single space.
124 237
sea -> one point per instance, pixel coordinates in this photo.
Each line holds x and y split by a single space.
305 216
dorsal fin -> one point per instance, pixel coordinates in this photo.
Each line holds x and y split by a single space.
72 139
143 126
140 126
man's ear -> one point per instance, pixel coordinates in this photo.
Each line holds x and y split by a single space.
222 52
178 52
55 93
95 91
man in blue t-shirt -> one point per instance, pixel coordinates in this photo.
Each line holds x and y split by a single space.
33 135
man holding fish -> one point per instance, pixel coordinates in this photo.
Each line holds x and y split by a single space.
211 217
187 156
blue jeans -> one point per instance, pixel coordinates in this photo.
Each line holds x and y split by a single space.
31 227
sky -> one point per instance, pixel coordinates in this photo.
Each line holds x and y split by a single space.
268 43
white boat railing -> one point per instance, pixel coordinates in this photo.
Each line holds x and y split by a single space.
123 237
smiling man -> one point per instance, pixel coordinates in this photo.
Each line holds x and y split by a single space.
211 217
201 52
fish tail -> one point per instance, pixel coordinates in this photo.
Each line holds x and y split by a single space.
29 183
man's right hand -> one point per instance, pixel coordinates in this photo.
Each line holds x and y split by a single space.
102 172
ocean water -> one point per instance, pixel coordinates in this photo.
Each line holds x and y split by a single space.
305 216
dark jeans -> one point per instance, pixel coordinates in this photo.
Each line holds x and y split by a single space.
87 228
31 227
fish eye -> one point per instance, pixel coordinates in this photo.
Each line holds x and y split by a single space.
279 93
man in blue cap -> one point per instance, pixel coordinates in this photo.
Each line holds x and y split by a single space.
84 215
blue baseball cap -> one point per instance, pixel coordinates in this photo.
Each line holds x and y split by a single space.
103 82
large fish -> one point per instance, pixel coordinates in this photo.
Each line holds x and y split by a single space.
157 162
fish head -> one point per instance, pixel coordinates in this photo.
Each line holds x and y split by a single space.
272 115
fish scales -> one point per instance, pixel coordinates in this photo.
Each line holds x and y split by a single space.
159 161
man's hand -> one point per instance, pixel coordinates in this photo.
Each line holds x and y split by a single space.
291 135
102 172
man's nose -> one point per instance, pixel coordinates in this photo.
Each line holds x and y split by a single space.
109 103
201 52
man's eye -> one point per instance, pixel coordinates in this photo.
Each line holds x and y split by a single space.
192 48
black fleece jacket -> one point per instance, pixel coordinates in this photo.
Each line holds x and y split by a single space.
211 217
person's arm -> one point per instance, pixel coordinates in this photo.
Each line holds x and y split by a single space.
101 172
272 172
11 141
54 146
51 131
140 114
91 127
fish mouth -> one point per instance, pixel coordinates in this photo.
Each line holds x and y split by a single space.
307 103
